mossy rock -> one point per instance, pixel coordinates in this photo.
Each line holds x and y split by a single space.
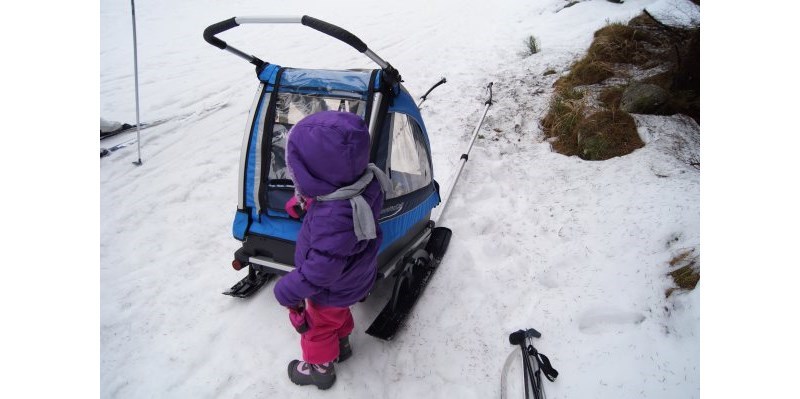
644 98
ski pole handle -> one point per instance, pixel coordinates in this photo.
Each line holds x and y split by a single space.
439 83
518 337
489 101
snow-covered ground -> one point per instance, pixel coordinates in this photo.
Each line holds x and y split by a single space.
579 250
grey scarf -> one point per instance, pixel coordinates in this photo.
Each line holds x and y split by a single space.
363 219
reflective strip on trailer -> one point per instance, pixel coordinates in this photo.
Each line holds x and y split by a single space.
245 145
279 267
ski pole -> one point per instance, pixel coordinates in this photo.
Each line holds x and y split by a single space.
425 96
534 364
136 80
465 155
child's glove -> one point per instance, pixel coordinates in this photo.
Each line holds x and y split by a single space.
297 316
296 208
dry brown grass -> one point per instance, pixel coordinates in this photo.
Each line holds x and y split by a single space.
566 111
607 134
585 72
687 275
599 136
600 130
611 96
618 43
614 43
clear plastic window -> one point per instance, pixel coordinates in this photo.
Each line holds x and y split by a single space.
291 108
408 167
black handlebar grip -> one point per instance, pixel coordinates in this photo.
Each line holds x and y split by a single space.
219 27
334 31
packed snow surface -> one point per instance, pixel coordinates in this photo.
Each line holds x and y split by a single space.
578 250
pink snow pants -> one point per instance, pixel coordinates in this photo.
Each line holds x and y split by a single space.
327 324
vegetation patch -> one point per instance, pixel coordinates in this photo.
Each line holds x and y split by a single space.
606 134
565 114
532 45
618 43
596 128
610 97
687 272
586 72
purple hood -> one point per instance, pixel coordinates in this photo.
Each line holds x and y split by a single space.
327 151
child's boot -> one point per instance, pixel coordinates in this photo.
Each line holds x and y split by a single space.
345 351
320 375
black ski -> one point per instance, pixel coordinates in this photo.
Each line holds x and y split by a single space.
250 284
104 152
409 285
124 129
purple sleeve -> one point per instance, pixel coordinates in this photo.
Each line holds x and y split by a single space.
332 242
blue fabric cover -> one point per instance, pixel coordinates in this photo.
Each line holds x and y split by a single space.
269 74
278 227
240 223
395 228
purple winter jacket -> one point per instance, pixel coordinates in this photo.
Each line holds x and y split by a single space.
326 151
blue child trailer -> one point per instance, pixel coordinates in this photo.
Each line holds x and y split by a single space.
412 246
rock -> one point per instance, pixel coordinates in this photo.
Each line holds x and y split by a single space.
643 98
107 126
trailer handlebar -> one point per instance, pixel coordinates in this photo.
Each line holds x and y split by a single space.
211 32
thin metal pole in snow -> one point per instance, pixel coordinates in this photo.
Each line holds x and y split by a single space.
465 155
136 80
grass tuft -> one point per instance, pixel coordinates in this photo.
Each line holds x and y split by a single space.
607 134
532 45
585 72
565 113
618 43
687 275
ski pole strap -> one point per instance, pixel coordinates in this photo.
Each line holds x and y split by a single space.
544 364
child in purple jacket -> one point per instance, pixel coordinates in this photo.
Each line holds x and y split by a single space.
327 155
